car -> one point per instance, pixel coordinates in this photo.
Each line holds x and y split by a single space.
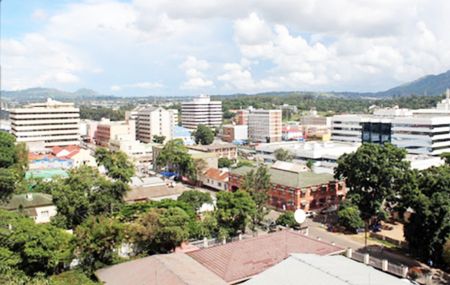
330 209
310 214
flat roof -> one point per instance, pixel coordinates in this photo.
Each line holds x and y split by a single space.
291 179
173 269
240 260
319 270
34 200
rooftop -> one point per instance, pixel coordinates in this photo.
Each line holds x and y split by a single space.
153 192
318 270
45 173
290 179
30 200
173 269
240 260
216 174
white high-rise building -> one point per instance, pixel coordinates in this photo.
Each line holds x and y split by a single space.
265 125
201 111
53 123
153 121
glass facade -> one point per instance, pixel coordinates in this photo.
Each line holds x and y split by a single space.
378 133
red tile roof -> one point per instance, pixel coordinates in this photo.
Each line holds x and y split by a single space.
71 149
216 174
238 261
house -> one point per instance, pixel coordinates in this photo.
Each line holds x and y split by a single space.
238 261
79 156
319 270
216 179
38 206
293 188
162 269
153 189
221 149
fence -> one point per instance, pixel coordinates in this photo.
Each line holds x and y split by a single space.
396 242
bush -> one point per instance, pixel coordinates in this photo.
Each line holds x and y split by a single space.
287 219
349 217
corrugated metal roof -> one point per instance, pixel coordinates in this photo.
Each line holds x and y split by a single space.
319 270
32 201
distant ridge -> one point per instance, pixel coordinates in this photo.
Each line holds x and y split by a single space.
41 94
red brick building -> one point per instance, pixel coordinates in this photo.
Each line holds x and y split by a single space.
293 188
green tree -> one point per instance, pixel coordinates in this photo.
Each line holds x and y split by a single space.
446 156
160 230
446 252
287 219
234 211
8 155
85 192
174 157
257 183
7 183
225 162
97 240
350 217
283 154
374 175
309 164
195 198
32 248
116 163
203 135
159 139
244 162
430 221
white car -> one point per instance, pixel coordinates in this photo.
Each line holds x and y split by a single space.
311 214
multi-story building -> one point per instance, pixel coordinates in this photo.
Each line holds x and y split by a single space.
232 133
293 188
241 117
108 130
154 121
201 111
53 123
140 153
227 150
264 125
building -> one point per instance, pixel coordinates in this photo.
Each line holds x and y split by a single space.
210 158
79 156
153 189
53 123
358 129
141 153
231 133
264 125
323 154
216 179
201 111
293 188
170 269
108 130
238 261
221 149
292 133
241 117
319 270
315 126
38 206
155 121
183 134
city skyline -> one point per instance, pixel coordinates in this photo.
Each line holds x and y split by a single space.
138 48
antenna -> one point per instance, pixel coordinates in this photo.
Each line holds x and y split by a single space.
299 216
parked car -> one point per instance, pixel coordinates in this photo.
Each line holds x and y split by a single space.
330 209
311 214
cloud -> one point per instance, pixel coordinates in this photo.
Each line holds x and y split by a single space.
139 85
193 69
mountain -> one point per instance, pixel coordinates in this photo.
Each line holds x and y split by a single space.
430 85
41 94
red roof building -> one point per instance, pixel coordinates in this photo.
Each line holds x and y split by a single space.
238 261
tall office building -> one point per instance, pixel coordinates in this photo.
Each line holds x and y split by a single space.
264 125
52 123
153 121
201 111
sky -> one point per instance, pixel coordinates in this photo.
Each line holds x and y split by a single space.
190 47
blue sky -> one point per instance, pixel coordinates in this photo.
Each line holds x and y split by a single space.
163 47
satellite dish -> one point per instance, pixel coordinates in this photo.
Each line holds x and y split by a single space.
299 216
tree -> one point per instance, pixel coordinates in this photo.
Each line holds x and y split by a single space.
446 252
430 221
8 155
309 164
349 217
32 248
203 135
117 164
374 175
7 183
195 198
258 185
160 230
244 162
85 192
159 139
283 154
225 162
287 219
235 211
96 241
174 157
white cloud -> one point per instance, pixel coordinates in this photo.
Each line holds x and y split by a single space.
193 69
